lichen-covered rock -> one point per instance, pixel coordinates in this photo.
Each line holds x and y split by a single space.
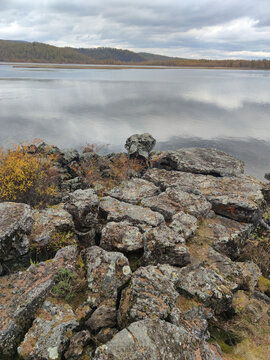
152 340
107 273
150 294
47 223
47 338
175 199
83 206
201 161
184 224
22 294
115 210
164 246
225 235
77 344
15 225
239 198
140 146
103 317
205 284
133 191
121 237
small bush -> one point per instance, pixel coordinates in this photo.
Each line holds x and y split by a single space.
25 177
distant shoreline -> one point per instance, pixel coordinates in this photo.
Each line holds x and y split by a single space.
123 67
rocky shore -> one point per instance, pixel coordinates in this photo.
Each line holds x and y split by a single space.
159 267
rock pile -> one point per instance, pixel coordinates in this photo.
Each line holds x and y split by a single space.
160 256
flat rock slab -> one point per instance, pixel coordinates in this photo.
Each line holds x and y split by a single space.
162 245
107 273
154 340
23 293
175 199
150 294
133 191
201 161
239 197
115 210
184 224
15 225
121 237
225 235
47 338
47 223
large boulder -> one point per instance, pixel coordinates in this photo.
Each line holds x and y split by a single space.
201 161
140 146
16 222
150 294
239 198
133 191
48 336
48 223
23 293
121 237
115 210
162 245
154 340
107 272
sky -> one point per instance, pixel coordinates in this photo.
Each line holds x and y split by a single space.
184 28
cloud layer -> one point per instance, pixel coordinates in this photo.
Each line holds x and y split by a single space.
194 28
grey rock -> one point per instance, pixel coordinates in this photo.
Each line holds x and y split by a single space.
77 344
184 224
69 185
15 225
103 317
174 200
151 340
239 198
68 156
49 222
164 246
133 191
121 237
22 294
115 210
107 273
105 334
83 206
201 161
140 145
47 337
150 294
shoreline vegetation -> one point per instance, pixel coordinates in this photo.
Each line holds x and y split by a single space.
41 55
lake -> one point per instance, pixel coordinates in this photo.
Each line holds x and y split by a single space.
227 109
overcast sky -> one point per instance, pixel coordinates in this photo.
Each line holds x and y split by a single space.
184 28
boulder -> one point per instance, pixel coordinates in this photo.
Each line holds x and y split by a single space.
121 237
133 191
153 340
201 161
22 294
115 210
83 206
150 294
175 199
15 225
103 317
107 273
47 338
49 222
140 146
164 246
239 198
184 224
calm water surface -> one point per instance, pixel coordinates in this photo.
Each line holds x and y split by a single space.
228 109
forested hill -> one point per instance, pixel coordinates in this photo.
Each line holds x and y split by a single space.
20 51
39 52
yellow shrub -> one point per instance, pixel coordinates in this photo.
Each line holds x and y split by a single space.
25 177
